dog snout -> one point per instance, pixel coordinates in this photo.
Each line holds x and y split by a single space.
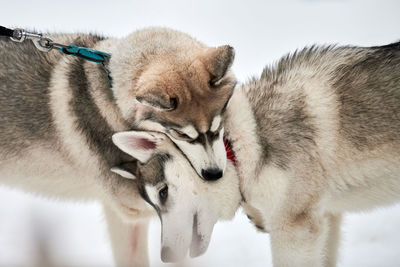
211 174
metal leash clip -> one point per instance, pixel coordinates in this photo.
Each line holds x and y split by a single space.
43 44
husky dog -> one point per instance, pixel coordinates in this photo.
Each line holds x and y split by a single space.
58 114
166 181
315 136
183 88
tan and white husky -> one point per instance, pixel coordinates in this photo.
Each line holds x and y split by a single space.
58 114
317 135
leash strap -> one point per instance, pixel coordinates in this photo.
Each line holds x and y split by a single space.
86 53
6 32
90 55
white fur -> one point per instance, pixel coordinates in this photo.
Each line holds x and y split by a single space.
129 240
66 168
216 122
129 142
301 206
123 173
190 131
204 157
355 181
188 196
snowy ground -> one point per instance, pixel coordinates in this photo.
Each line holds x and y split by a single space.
261 31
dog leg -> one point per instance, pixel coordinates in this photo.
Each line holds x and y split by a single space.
333 238
128 240
298 240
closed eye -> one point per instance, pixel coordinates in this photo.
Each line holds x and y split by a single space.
180 135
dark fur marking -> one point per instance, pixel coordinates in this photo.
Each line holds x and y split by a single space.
153 171
259 227
281 132
89 121
369 94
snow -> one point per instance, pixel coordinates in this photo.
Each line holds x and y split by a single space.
38 232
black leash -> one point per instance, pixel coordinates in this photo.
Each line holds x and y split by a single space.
46 44
6 32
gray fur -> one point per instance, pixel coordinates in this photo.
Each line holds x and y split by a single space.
89 120
369 93
366 81
58 114
153 171
316 136
25 75
24 102
282 132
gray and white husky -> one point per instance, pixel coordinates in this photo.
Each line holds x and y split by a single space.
58 114
188 207
317 135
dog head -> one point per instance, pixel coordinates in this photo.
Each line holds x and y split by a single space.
188 207
166 81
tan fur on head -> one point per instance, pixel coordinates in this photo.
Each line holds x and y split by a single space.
166 81
218 60
169 70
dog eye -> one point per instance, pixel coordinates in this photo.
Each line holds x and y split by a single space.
163 193
181 136
212 82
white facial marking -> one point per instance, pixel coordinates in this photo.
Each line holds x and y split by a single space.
191 198
123 173
152 193
190 131
215 123
151 126
212 155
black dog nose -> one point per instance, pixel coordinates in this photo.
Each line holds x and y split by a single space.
211 174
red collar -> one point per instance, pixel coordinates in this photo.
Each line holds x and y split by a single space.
229 153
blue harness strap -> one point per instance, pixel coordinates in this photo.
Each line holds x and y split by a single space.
90 55
86 53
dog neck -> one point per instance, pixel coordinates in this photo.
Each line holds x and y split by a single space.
101 90
241 131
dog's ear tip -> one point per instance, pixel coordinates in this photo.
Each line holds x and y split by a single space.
218 60
229 49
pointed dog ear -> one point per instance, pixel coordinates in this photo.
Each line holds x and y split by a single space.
158 99
217 61
138 144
